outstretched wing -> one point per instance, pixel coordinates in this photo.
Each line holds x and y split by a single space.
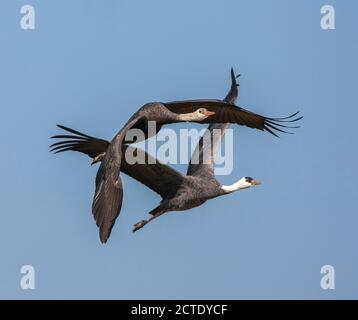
136 163
80 142
142 167
228 113
107 200
202 161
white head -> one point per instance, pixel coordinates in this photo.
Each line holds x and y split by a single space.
243 183
198 115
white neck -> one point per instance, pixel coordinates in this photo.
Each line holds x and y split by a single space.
241 184
192 116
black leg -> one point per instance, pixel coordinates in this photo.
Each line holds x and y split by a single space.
142 223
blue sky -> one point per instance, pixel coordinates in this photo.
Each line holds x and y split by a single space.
90 64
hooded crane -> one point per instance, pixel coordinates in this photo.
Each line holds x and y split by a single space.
109 193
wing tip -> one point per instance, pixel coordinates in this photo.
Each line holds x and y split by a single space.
276 123
234 77
103 237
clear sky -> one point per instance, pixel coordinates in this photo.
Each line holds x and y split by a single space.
90 64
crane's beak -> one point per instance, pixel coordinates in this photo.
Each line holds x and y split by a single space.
208 113
94 161
98 158
255 182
